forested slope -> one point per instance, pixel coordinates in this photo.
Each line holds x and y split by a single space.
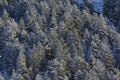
56 40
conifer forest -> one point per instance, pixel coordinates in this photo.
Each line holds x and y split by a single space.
59 39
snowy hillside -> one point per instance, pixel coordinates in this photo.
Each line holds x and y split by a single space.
59 40
81 1
98 5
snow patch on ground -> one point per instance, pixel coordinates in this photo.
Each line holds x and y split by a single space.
81 2
98 6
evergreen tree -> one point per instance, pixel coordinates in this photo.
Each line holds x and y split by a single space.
21 61
58 40
1 77
38 77
111 10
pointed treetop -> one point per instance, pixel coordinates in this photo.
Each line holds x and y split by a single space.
5 14
19 77
21 60
1 77
1 22
38 77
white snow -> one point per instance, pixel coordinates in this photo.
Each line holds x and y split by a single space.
81 1
98 6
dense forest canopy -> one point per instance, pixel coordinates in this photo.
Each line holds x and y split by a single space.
59 40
